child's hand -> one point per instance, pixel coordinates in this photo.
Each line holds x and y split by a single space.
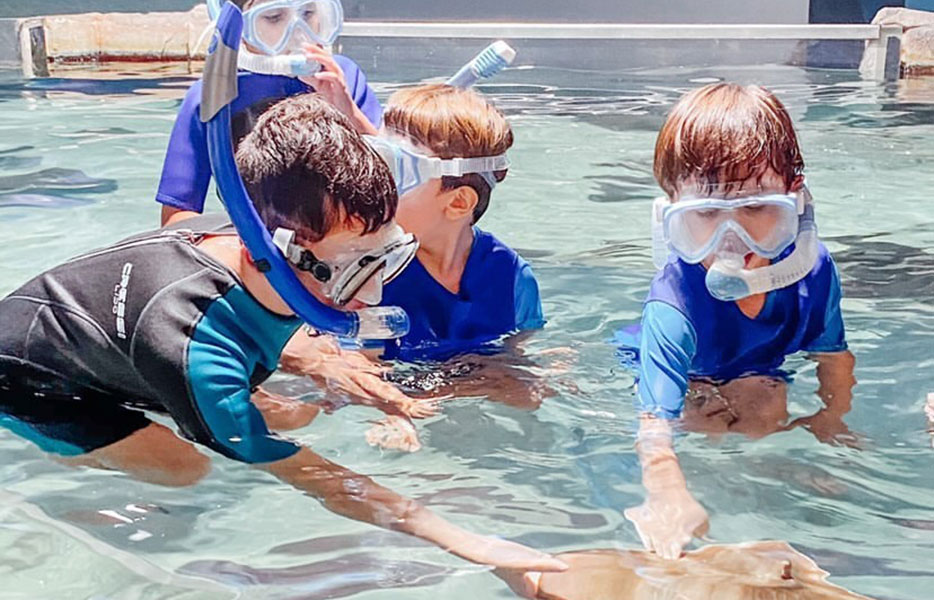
394 433
667 521
828 429
352 373
330 81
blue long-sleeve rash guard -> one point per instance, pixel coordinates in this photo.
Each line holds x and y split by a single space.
186 172
498 295
686 333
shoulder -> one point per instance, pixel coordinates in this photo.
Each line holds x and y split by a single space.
680 285
823 278
824 266
488 247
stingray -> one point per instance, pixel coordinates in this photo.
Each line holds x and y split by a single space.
752 571
55 180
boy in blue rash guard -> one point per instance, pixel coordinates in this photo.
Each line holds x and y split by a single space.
466 288
181 320
186 171
747 283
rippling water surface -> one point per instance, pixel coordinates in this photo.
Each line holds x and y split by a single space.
79 164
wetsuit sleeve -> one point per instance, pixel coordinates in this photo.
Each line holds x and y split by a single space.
229 423
186 172
666 350
363 95
833 337
529 314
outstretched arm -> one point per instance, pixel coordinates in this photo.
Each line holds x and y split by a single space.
670 516
353 373
358 497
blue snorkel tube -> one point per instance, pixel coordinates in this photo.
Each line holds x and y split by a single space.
219 90
494 58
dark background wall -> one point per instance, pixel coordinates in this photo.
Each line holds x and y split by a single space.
848 11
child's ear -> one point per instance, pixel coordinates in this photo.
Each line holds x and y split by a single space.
797 183
245 257
462 202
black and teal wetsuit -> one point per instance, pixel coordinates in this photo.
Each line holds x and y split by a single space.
151 322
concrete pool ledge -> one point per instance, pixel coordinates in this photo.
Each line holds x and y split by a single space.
41 45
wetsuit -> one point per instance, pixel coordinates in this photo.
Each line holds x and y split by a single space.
151 322
498 295
186 172
688 334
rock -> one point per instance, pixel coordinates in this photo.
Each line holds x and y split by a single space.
917 43
918 50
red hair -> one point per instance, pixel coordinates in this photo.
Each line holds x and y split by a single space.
723 134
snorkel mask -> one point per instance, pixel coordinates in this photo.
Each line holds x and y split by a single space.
411 168
280 28
729 229
219 90
345 275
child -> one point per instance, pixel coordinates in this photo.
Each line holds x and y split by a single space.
466 287
285 27
183 321
747 284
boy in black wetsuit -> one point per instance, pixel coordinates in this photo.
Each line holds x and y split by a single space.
180 320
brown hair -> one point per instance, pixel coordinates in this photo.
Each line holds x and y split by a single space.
452 123
306 167
724 134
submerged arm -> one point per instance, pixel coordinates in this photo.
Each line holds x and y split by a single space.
670 516
358 497
836 381
321 358
835 366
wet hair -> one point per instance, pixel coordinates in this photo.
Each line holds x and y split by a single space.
724 134
307 169
452 122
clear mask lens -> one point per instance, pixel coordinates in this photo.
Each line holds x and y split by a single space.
383 263
695 227
282 25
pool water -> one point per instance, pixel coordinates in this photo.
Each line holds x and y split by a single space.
79 164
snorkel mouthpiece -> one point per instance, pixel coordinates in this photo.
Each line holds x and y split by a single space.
219 90
728 280
290 65
494 58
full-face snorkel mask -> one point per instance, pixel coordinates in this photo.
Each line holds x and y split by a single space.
728 229
278 29
219 90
